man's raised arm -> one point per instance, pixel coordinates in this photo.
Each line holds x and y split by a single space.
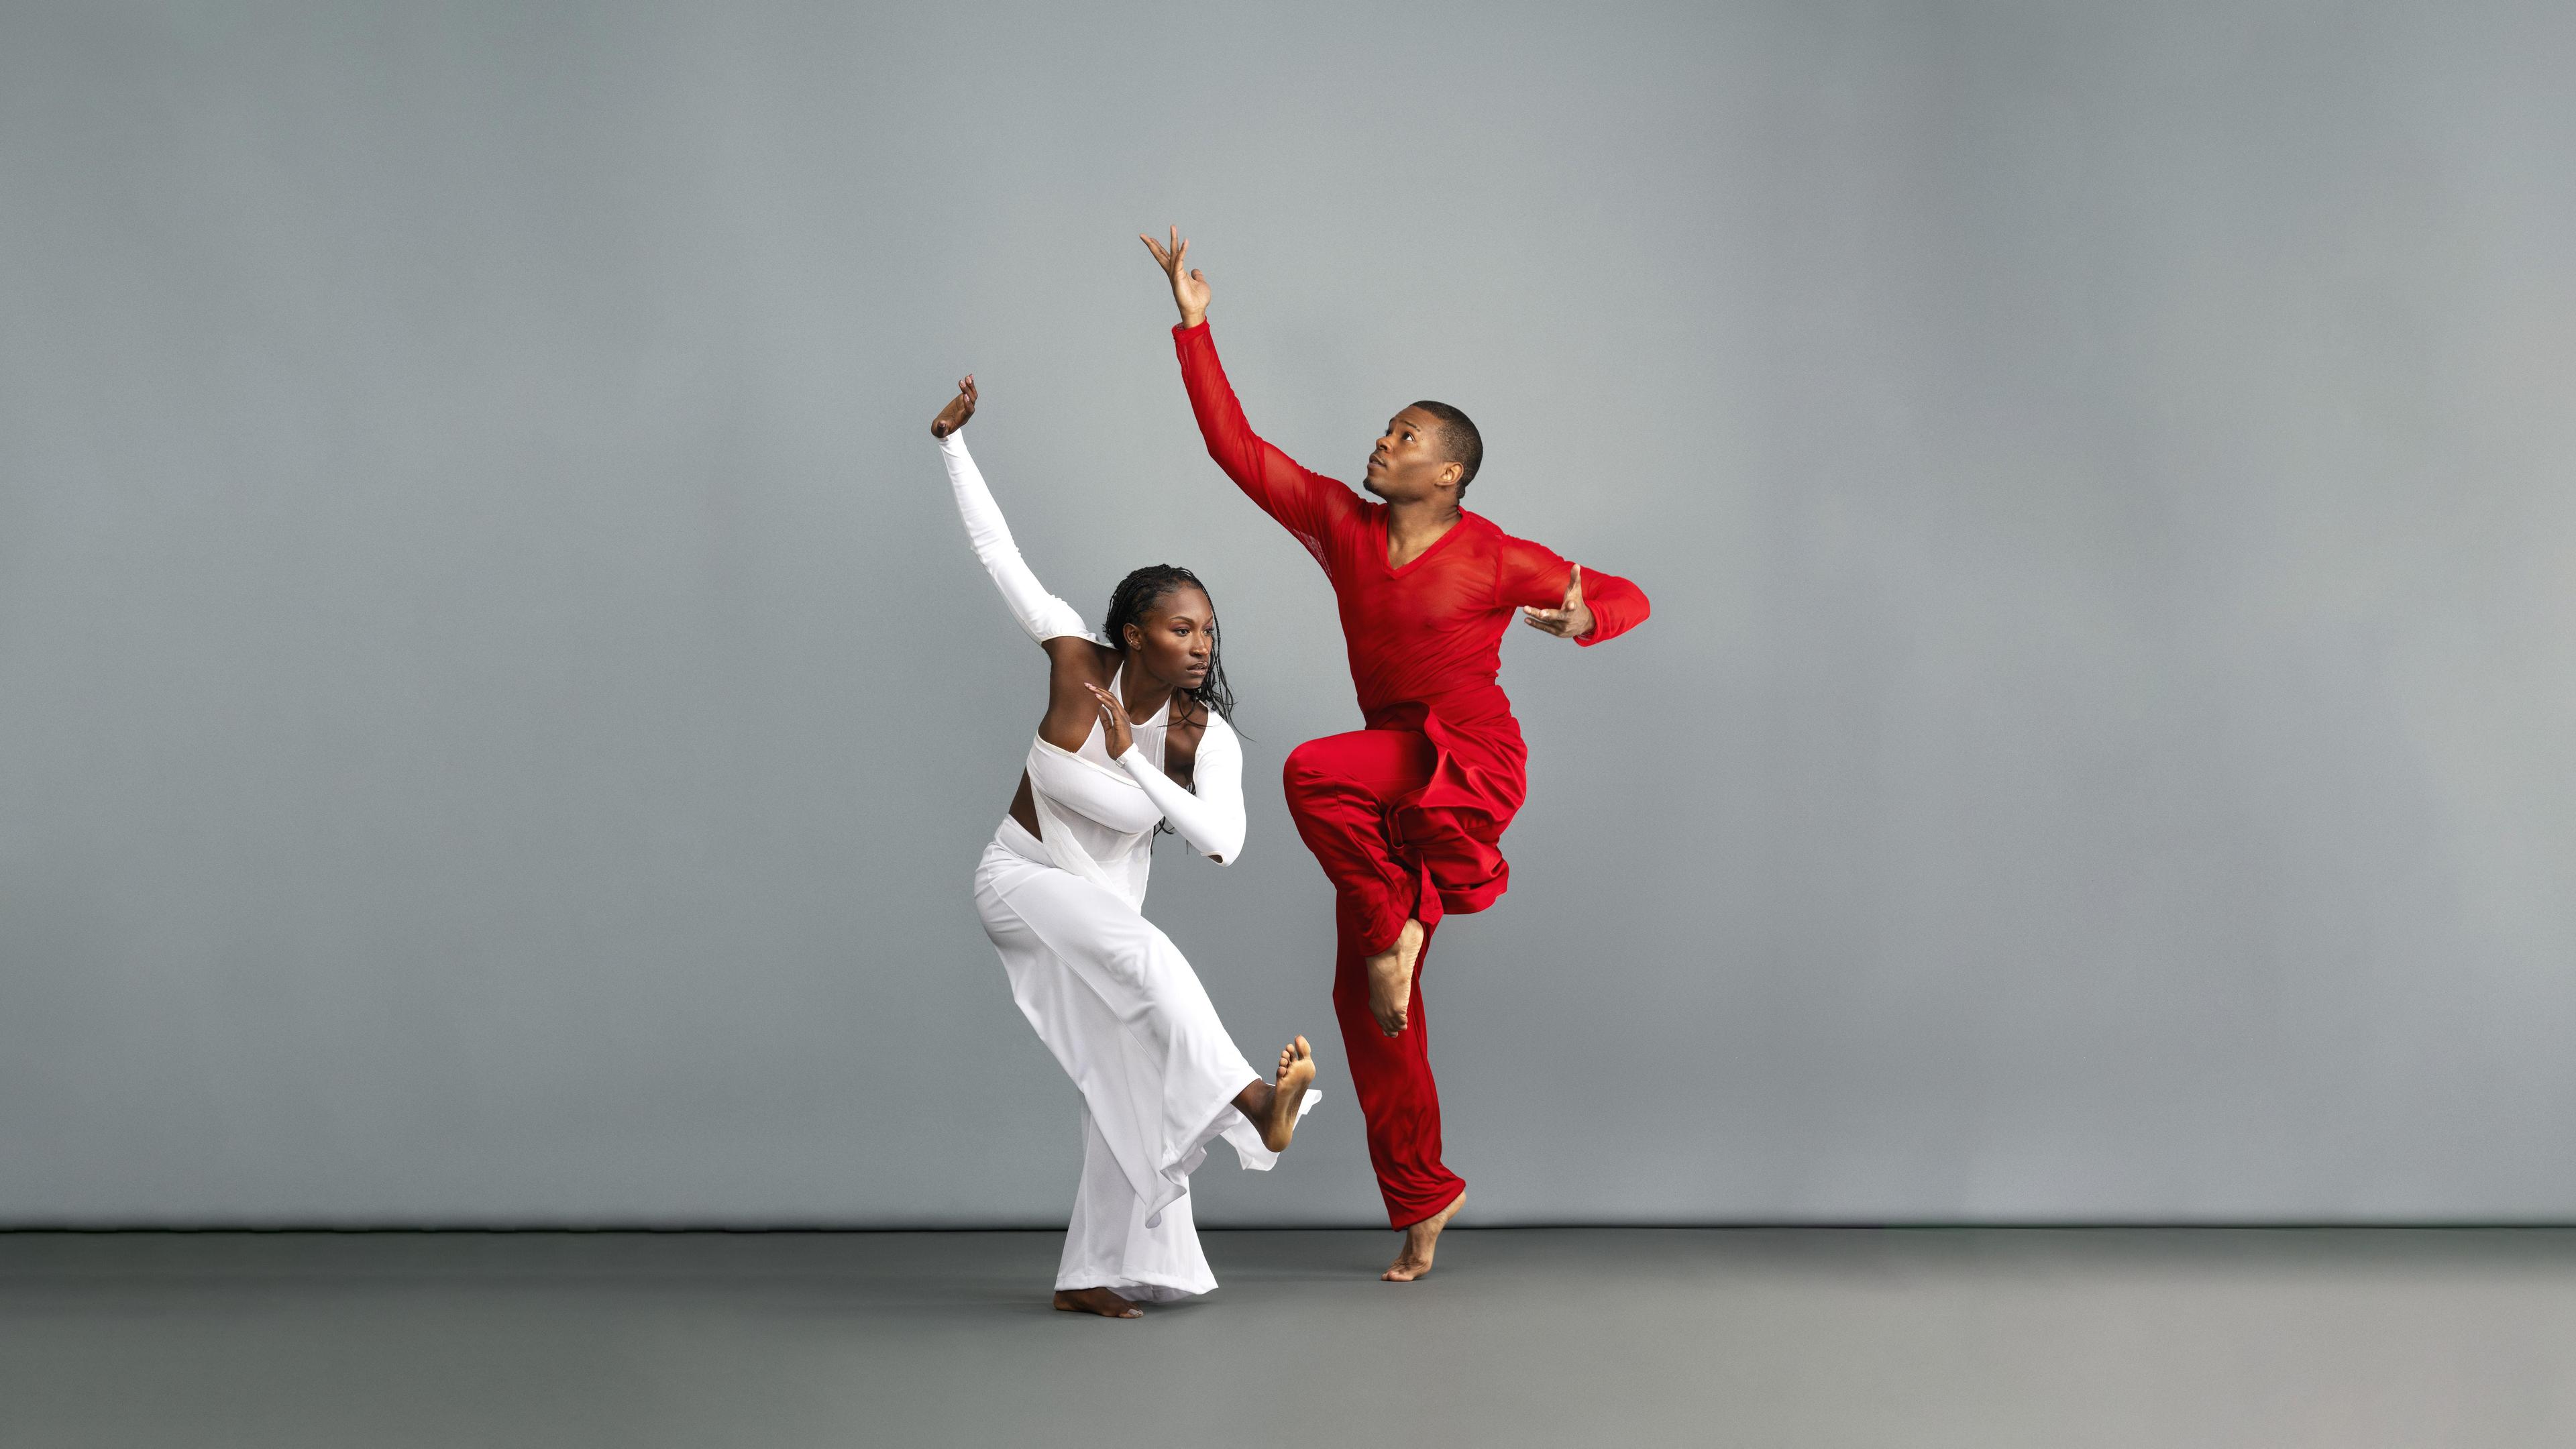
1308 504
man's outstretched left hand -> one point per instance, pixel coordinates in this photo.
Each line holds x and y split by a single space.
1573 621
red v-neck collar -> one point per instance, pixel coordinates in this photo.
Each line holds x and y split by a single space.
1384 537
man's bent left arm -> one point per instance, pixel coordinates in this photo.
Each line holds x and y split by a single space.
1567 600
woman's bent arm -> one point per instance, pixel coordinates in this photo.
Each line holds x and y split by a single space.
1212 819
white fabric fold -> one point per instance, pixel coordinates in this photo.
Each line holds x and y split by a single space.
1086 832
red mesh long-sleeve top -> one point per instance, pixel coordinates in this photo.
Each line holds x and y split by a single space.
1425 640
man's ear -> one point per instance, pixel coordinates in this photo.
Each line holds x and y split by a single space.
1451 473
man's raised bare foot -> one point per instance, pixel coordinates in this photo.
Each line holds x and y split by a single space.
1095 1300
1390 974
1419 1241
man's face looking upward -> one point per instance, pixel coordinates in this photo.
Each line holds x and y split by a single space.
1411 462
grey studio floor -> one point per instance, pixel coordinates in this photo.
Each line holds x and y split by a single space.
1987 1337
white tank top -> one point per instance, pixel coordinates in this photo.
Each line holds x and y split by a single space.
1094 820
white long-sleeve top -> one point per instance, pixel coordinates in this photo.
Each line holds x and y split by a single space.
1097 816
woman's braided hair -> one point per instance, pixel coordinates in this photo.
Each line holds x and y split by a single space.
1140 592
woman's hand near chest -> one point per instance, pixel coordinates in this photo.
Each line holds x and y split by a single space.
1184 726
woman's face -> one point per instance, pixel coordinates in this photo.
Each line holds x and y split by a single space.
1174 640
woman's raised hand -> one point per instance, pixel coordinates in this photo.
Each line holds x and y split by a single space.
959 409
1189 285
1113 719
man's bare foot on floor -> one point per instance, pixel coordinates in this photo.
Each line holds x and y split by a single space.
1272 1107
1419 1241
1095 1300
1390 975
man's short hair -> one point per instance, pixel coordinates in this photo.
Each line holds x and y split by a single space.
1460 443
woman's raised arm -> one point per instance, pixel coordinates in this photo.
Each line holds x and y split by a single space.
1042 614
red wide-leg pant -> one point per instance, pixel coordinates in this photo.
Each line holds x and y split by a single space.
1355 798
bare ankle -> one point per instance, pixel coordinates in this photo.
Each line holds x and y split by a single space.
1254 1101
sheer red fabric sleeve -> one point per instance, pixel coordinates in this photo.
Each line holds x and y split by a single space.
1534 575
1307 504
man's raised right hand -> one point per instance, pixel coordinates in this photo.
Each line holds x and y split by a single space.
1189 286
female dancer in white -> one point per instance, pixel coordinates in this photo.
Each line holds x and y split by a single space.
1062 889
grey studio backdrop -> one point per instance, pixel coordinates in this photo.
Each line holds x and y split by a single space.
497 714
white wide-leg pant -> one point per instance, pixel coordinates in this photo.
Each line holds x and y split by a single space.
1127 1019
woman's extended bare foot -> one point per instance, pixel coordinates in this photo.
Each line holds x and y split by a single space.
1272 1108
1296 1072
1095 1300
1390 974
1419 1241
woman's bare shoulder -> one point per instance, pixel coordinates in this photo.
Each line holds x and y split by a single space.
1075 659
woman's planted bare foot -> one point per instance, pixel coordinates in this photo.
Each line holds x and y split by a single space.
1278 1122
1419 1242
1390 977
1095 1300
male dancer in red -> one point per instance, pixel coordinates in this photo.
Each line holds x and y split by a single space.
1407 815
